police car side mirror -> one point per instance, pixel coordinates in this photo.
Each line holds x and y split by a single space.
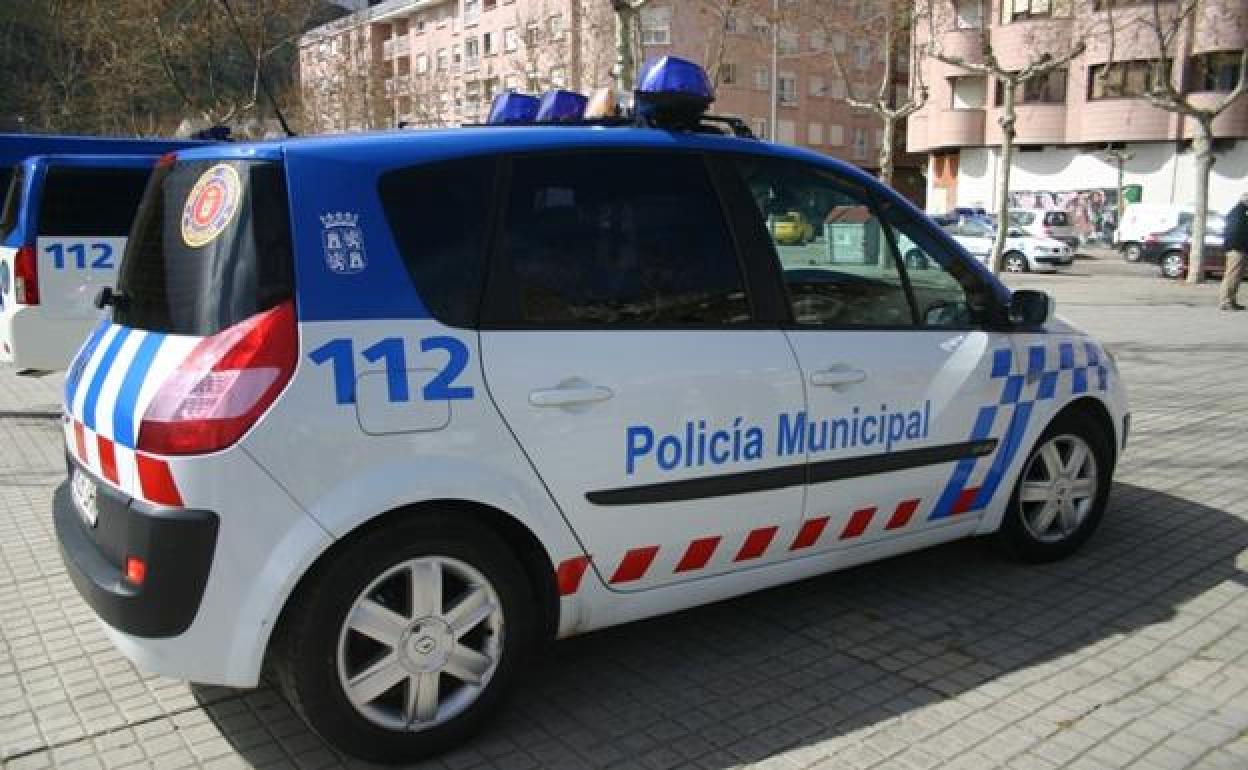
1029 307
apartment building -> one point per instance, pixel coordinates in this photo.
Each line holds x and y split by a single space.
1076 127
440 62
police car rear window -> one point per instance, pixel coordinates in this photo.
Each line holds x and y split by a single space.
1056 219
9 202
210 248
90 202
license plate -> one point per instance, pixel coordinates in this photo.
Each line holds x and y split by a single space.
84 497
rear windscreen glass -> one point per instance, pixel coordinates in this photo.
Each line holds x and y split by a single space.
90 202
10 201
210 248
1056 219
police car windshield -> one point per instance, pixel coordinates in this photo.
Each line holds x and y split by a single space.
210 247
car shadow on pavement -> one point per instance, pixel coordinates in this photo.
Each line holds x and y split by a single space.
790 668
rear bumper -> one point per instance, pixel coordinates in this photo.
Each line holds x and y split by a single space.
175 544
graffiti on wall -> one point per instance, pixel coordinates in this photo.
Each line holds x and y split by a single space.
1093 211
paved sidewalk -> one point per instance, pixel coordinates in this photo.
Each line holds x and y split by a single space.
1132 654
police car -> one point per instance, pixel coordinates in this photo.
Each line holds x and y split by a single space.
387 411
63 229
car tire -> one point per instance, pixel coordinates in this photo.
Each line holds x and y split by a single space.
1132 252
1061 493
330 663
1015 262
1172 264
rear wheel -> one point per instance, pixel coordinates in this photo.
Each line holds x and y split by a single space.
1172 264
403 645
1061 495
1016 262
1132 252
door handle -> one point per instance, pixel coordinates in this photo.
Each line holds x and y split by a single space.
570 395
837 376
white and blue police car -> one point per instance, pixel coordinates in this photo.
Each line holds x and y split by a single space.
386 411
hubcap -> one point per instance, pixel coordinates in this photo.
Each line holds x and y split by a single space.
420 643
1059 488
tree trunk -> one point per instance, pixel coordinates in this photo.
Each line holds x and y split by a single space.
1002 206
624 51
1202 146
886 150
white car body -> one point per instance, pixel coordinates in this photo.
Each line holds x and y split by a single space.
1041 254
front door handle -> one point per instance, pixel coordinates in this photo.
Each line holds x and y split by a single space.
570 395
837 376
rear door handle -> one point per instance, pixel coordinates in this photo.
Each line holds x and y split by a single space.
570 396
837 376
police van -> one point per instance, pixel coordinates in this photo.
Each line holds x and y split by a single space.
63 230
383 412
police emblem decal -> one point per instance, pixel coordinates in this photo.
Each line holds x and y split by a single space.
344 242
211 206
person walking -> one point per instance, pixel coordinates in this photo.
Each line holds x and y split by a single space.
1236 248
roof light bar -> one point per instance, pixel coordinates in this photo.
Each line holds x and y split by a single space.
673 92
560 106
602 105
511 108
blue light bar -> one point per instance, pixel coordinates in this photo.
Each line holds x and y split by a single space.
673 75
559 106
511 108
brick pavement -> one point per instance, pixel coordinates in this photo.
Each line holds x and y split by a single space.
1132 654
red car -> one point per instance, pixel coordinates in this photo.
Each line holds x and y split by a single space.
1174 262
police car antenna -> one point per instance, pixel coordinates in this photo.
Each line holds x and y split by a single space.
264 82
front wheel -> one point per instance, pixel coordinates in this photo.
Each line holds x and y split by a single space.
1016 262
1172 265
406 641
1061 495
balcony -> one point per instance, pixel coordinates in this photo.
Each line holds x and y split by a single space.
966 44
955 128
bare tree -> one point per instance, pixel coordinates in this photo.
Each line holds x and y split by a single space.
1169 27
627 41
892 23
1044 57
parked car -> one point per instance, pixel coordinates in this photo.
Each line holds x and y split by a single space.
1142 220
791 228
1174 261
1045 223
1023 252
1166 248
63 229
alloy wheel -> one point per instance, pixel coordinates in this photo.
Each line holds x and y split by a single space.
1059 488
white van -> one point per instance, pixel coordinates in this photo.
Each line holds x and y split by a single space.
63 229
1140 220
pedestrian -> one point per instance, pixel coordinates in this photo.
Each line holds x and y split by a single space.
1236 248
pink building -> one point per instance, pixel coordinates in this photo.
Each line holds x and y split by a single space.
1067 121
439 62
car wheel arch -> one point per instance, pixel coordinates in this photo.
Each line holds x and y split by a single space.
519 538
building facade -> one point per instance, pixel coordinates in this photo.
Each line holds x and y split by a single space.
440 62
1081 127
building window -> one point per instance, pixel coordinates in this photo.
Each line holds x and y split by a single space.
472 10
533 35
970 92
818 40
558 77
1046 89
422 64
491 4
1021 10
862 54
555 26
761 29
762 78
656 26
728 73
814 134
1217 71
444 60
418 25
1122 80
860 143
786 88
786 132
786 42
487 44
759 127
816 86
970 13
472 52
730 23
511 40
836 135
839 42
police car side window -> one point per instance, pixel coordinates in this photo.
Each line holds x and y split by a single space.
90 202
439 215
623 238
946 291
838 266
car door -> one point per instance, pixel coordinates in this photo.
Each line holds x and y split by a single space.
624 348
904 383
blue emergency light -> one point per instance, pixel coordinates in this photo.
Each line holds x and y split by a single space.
673 92
510 108
560 106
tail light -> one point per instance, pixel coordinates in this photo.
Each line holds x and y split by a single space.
223 386
26 276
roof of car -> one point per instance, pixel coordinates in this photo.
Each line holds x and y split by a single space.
388 149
